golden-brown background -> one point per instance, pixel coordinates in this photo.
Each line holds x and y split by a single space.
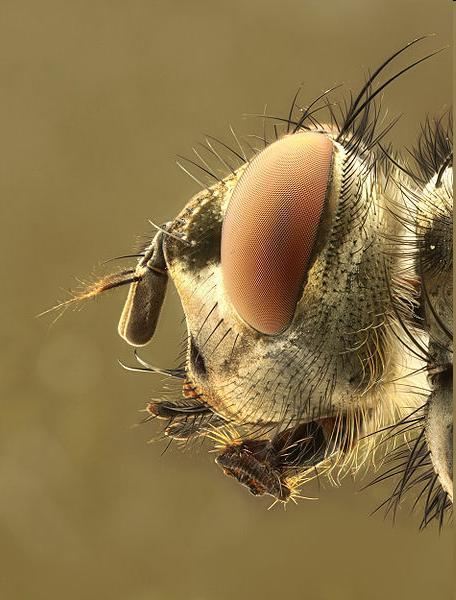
96 99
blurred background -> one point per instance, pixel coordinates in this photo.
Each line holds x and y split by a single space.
96 100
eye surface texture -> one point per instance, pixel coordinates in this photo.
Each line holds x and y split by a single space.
270 227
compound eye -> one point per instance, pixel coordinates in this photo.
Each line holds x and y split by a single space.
270 227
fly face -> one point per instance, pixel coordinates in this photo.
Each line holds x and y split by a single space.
282 281
285 284
283 277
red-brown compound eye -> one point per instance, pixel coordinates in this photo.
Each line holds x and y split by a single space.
270 226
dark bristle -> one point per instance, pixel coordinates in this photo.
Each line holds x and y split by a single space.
434 150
